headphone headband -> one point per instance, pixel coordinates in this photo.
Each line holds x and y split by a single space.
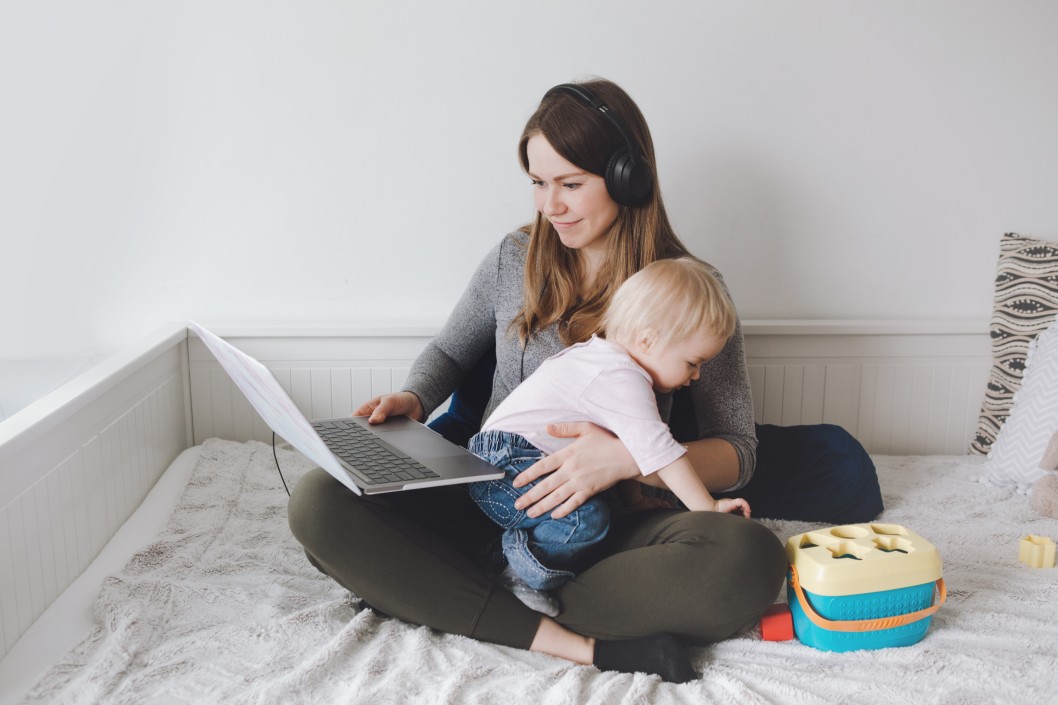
588 97
628 177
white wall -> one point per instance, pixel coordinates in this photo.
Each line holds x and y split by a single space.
350 162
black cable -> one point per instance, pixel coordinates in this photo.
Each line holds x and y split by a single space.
277 464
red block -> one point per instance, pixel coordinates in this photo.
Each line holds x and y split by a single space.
777 624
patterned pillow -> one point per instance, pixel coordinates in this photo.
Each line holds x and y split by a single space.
1018 451
1026 302
1050 454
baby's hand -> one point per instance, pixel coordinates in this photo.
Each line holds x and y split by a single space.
730 506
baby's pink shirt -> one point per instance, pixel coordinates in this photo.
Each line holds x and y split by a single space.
595 381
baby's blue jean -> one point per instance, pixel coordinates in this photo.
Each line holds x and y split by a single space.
540 550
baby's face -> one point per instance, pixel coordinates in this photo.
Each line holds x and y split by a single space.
675 365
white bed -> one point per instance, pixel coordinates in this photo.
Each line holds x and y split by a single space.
23 382
80 462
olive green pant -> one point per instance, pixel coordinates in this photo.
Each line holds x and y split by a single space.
414 555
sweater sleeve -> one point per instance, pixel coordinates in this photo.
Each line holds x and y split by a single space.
467 335
723 404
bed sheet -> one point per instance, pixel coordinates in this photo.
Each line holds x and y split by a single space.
70 618
223 607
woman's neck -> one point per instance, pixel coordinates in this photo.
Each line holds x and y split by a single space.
591 262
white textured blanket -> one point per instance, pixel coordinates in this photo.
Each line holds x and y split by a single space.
223 608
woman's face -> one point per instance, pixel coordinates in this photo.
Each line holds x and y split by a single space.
576 202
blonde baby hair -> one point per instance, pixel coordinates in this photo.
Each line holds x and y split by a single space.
673 298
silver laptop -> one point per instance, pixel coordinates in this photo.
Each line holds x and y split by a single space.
398 454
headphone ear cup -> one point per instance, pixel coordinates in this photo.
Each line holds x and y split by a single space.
628 180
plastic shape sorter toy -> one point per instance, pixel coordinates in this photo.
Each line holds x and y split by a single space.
862 586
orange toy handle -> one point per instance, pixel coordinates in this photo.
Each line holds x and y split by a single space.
864 625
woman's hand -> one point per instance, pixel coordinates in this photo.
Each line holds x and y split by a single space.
382 407
594 462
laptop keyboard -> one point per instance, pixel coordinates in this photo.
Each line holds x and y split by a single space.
375 460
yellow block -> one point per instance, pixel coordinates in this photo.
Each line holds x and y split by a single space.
1036 551
858 558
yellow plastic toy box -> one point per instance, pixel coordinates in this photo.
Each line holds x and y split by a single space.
862 586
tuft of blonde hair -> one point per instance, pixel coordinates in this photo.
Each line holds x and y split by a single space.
674 299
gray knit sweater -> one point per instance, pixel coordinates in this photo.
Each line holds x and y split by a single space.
721 396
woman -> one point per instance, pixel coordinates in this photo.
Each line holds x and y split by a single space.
661 577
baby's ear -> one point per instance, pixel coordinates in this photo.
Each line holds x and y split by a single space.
647 339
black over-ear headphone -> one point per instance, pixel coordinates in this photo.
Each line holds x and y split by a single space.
628 178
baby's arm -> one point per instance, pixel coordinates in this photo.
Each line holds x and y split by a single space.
681 478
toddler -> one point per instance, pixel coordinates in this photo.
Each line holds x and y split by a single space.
662 324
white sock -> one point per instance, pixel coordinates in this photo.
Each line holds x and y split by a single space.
536 600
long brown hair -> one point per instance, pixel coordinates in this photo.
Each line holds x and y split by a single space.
640 235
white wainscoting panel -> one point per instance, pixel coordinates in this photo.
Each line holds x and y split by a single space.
901 388
898 392
73 490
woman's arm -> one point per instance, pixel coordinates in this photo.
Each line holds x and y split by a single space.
467 335
715 461
725 452
682 479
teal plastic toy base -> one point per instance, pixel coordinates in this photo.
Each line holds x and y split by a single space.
867 605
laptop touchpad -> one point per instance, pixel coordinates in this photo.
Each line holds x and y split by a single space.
421 445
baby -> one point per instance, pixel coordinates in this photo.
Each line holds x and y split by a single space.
662 324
